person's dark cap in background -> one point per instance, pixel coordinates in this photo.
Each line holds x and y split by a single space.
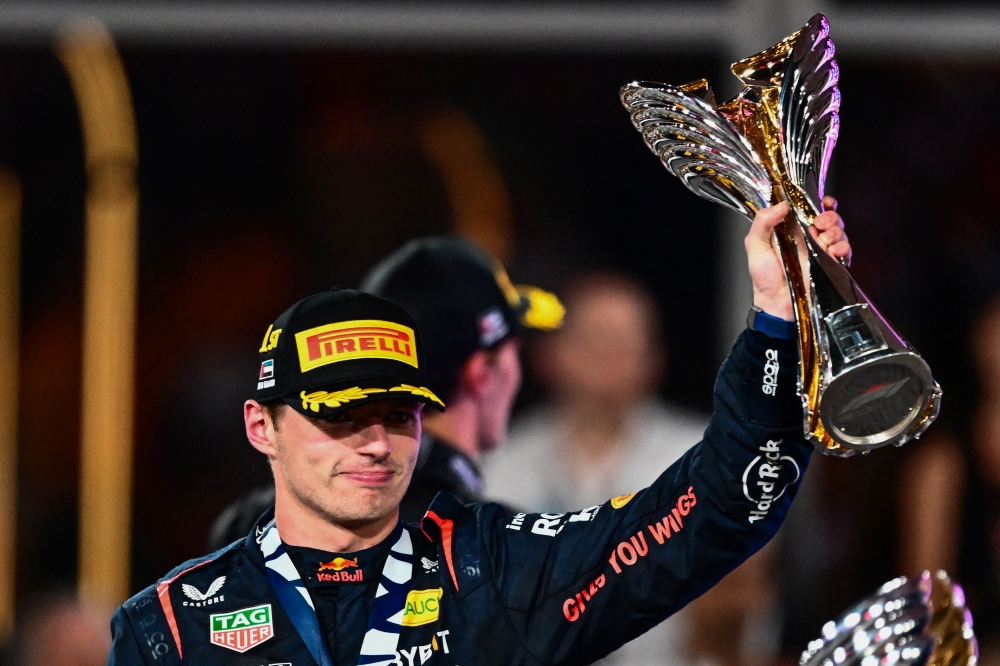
342 348
462 301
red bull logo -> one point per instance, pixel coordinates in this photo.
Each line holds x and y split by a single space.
338 564
341 577
347 340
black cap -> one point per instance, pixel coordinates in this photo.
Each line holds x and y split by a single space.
461 299
341 348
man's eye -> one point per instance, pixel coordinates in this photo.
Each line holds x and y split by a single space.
401 417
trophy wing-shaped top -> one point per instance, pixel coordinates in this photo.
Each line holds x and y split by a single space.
863 386
698 144
809 106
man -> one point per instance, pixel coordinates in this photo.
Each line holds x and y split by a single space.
340 425
470 317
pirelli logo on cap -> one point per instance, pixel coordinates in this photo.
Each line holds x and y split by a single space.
362 338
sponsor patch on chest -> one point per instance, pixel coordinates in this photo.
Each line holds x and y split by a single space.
207 598
422 607
243 629
418 655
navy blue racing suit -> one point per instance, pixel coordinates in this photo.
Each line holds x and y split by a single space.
493 588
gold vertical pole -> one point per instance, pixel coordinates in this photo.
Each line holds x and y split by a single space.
472 179
10 322
109 303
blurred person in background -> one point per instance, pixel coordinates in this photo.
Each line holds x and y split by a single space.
949 500
62 631
472 318
737 622
604 432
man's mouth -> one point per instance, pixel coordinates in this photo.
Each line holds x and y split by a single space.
370 477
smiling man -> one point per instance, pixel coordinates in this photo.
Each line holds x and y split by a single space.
472 320
338 414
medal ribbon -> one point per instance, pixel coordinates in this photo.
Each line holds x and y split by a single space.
385 623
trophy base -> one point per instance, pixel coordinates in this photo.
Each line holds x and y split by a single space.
877 402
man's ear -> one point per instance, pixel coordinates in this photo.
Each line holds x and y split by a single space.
260 430
476 372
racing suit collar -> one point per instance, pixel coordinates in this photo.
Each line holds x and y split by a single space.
321 567
385 620
256 535
253 548
447 524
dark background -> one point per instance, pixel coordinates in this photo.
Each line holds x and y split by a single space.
268 175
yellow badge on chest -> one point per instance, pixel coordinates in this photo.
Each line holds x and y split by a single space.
422 607
621 500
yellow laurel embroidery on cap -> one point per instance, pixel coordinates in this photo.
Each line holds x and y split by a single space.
545 311
422 391
508 289
336 398
621 500
270 339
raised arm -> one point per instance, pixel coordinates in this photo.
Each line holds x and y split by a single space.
577 586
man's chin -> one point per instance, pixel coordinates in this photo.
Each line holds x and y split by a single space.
374 508
366 517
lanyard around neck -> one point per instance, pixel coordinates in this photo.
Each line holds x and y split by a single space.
386 618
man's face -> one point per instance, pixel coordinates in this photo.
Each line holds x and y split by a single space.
351 469
604 353
497 398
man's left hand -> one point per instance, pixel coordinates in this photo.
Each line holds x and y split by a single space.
770 288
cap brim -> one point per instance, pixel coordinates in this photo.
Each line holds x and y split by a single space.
326 402
539 309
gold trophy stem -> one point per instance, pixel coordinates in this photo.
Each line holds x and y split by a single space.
763 133
809 368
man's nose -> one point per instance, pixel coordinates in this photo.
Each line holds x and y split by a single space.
375 439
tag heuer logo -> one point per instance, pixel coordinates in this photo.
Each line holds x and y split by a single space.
242 629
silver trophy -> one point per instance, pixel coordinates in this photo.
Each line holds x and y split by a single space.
918 622
862 385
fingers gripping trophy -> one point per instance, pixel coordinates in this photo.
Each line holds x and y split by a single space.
862 385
